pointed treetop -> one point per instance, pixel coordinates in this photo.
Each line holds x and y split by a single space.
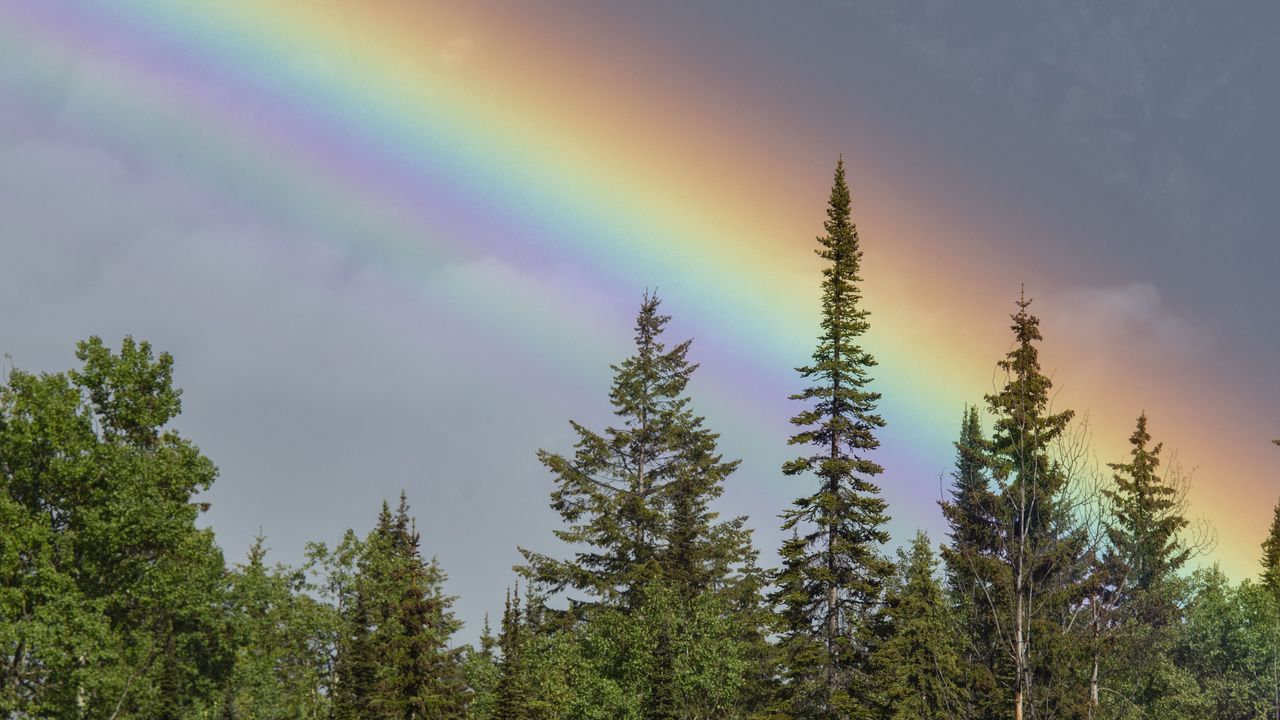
258 550
1271 555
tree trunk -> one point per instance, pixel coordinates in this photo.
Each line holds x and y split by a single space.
1097 657
833 591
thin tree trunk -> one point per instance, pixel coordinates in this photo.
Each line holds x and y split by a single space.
1097 657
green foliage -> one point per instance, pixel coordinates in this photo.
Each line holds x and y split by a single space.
918 668
393 656
1227 644
280 633
1138 595
481 670
111 595
665 658
1038 579
1271 556
115 605
1145 549
636 498
973 565
833 571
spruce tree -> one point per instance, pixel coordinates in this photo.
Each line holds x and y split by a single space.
833 570
918 668
1041 544
1271 555
513 691
636 497
1145 549
394 659
1135 600
972 563
423 674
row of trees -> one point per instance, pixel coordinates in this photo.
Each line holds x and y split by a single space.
1058 593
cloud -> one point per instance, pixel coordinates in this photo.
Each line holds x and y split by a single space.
1131 316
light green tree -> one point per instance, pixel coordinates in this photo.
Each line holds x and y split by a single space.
112 596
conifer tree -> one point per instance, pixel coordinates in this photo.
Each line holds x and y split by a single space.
1144 544
1134 601
1041 544
513 691
833 569
1271 555
394 660
918 667
636 497
972 563
480 667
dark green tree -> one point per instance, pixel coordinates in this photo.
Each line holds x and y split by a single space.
1271 555
394 658
833 569
1226 645
972 562
1145 547
918 668
514 693
636 497
1136 595
1043 547
481 669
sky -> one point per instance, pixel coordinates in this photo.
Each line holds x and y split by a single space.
394 244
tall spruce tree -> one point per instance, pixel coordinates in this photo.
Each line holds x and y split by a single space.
833 570
1042 545
636 497
972 563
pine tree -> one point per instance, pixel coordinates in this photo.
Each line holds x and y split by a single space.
394 659
833 570
1271 555
1144 545
918 667
636 497
480 666
513 691
1042 547
1134 601
972 563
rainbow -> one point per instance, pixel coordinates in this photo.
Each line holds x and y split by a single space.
416 138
